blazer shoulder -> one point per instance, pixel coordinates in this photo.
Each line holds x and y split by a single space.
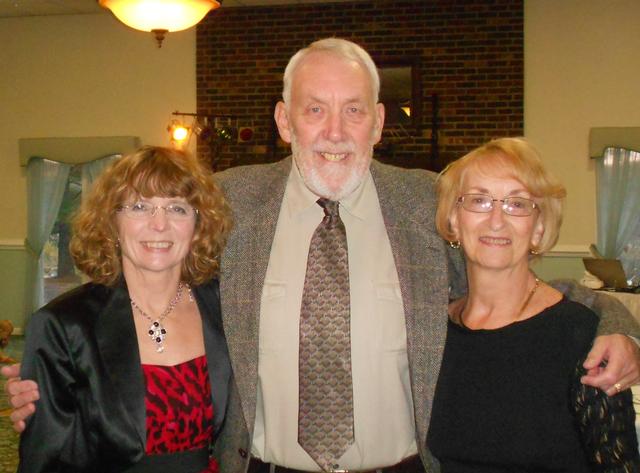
417 177
247 182
407 192
79 303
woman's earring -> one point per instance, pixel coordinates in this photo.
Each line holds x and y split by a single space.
454 244
533 251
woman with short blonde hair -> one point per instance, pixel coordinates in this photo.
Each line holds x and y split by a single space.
509 396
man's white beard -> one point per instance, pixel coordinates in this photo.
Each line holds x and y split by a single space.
317 183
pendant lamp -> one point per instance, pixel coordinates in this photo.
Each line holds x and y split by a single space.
160 16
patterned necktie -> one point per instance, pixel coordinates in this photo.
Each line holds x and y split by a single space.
325 415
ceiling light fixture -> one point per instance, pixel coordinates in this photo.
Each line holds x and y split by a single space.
160 16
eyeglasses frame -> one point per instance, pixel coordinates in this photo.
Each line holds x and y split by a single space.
154 211
503 207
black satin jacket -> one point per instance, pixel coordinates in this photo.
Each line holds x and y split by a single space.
82 350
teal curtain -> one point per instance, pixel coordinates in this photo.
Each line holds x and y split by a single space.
91 170
46 182
618 202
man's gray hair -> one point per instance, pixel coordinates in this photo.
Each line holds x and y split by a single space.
340 47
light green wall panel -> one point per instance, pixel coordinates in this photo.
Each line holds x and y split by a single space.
12 285
555 267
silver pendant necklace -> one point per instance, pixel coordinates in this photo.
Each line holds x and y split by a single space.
156 331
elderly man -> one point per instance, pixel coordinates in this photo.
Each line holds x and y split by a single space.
336 358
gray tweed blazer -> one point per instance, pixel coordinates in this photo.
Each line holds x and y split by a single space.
408 207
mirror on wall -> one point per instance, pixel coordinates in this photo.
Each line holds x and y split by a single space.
399 93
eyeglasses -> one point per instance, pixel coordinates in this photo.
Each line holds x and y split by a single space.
142 210
482 203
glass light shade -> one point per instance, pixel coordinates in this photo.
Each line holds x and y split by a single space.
180 133
160 15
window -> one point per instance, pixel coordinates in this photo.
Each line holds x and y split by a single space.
54 191
618 200
59 273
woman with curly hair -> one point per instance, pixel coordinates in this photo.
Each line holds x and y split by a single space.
132 367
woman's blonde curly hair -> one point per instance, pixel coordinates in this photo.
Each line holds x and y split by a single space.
149 172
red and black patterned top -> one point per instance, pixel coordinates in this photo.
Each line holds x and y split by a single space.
179 408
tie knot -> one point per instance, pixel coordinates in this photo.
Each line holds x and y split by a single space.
330 207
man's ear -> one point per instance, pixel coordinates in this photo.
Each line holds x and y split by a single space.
377 133
282 120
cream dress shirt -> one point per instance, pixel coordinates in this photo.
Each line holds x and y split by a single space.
383 406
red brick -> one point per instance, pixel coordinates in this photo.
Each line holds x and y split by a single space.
470 52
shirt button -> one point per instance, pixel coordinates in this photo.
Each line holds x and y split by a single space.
242 452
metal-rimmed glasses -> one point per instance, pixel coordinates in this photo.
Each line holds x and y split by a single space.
482 203
144 210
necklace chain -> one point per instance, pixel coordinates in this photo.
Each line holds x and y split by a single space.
156 330
528 299
524 304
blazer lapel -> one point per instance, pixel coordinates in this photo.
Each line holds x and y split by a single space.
243 269
118 345
421 264
208 299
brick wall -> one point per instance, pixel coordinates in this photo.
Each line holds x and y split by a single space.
466 53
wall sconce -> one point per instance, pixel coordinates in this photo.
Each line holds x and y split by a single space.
215 131
209 128
160 16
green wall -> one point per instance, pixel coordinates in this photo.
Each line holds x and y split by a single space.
13 259
555 267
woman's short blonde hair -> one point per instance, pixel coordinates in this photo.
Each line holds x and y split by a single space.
510 157
151 171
